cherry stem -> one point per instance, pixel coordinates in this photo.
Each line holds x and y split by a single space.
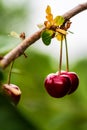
60 61
10 70
67 59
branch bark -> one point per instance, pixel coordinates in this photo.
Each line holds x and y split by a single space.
19 50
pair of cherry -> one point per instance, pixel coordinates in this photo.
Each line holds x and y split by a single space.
63 82
60 84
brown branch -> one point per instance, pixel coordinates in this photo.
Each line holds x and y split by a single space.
76 10
19 50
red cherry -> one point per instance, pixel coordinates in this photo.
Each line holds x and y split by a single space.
74 80
12 91
57 85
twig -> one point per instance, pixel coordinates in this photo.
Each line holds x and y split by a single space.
19 50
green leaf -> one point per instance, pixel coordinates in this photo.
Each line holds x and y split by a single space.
47 36
59 20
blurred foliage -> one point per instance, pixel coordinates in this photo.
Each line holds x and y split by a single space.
1 75
13 17
37 110
36 105
11 119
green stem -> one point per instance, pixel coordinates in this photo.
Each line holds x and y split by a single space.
67 59
10 70
60 60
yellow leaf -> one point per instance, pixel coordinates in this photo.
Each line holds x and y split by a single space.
49 17
61 31
14 34
40 25
59 37
48 10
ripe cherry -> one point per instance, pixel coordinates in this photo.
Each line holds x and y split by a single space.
12 91
57 85
74 80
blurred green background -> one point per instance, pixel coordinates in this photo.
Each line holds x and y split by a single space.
36 109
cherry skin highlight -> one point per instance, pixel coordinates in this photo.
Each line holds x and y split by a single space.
57 85
74 80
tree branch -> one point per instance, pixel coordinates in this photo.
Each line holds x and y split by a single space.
19 50
76 10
